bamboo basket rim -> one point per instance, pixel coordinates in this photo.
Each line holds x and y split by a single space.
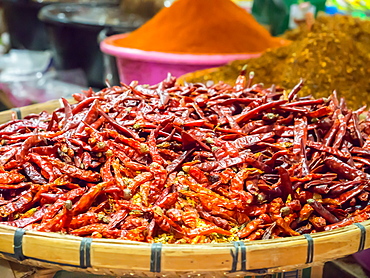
352 227
88 255
306 243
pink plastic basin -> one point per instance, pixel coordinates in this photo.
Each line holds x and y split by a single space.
150 67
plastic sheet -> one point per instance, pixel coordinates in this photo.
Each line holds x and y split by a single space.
27 77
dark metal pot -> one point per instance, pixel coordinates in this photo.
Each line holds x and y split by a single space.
25 30
73 31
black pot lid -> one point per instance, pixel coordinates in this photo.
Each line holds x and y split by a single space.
92 14
115 2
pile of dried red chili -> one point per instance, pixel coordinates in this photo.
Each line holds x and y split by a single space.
187 164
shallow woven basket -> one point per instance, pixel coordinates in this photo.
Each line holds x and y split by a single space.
127 258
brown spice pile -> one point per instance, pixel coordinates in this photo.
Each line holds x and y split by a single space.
333 55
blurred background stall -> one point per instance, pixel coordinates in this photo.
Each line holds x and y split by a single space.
65 35
68 33
52 49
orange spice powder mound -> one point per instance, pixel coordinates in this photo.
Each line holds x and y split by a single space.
201 27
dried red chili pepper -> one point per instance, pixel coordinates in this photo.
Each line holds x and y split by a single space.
319 208
194 162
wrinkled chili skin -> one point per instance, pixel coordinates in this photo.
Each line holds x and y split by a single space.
343 168
319 208
187 164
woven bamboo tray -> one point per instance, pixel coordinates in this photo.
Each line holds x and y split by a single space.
126 258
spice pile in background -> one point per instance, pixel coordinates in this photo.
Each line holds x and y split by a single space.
333 55
202 27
